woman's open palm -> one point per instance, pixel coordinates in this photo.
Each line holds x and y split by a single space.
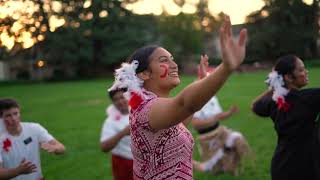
233 52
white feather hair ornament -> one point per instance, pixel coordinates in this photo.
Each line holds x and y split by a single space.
125 77
276 83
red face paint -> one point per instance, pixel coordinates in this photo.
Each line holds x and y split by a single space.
165 73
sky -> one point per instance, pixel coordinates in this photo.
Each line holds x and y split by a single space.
237 9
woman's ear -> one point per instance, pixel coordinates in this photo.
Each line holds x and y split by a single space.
288 78
144 75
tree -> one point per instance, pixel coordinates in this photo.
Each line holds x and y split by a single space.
283 27
26 22
182 35
99 36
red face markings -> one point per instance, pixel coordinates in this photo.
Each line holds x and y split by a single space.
165 71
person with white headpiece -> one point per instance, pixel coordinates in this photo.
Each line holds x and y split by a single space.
161 145
294 112
115 136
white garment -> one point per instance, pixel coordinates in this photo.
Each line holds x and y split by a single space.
114 123
25 146
210 109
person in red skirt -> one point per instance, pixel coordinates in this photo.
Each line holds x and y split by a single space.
115 136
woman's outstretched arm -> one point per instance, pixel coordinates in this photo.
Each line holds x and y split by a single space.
166 112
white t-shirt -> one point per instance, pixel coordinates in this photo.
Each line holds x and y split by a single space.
210 109
25 146
114 123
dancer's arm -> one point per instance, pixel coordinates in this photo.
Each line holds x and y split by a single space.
166 112
204 123
187 121
108 144
53 146
261 105
25 167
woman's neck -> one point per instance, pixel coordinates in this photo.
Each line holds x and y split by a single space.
159 92
292 87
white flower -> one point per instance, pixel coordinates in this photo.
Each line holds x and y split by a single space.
275 82
125 77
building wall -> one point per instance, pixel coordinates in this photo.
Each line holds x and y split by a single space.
4 71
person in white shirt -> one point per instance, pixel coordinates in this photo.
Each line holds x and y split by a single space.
21 143
222 149
115 136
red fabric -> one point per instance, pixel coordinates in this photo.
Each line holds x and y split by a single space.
122 168
6 145
282 104
135 100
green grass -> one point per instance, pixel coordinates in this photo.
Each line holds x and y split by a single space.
74 112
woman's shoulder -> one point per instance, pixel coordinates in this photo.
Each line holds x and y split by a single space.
143 105
311 90
308 92
140 99
310 96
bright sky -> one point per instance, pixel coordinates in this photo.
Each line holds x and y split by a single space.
237 9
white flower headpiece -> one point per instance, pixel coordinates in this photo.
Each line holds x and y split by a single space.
276 83
125 77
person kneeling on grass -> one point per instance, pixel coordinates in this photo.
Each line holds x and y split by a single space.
222 149
20 144
115 136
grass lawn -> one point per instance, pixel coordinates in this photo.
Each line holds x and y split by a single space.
73 112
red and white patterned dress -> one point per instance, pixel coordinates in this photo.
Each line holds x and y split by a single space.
163 154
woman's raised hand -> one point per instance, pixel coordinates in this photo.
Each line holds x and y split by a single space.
203 66
233 53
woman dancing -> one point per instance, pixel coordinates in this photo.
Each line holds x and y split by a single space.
293 111
161 144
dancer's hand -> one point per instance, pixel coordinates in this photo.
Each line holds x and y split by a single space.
233 53
126 130
48 147
53 147
26 167
203 66
234 109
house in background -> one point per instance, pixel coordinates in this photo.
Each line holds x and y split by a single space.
4 71
23 64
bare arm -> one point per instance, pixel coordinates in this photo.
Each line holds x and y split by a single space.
53 146
110 143
166 112
205 123
202 124
187 121
25 167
